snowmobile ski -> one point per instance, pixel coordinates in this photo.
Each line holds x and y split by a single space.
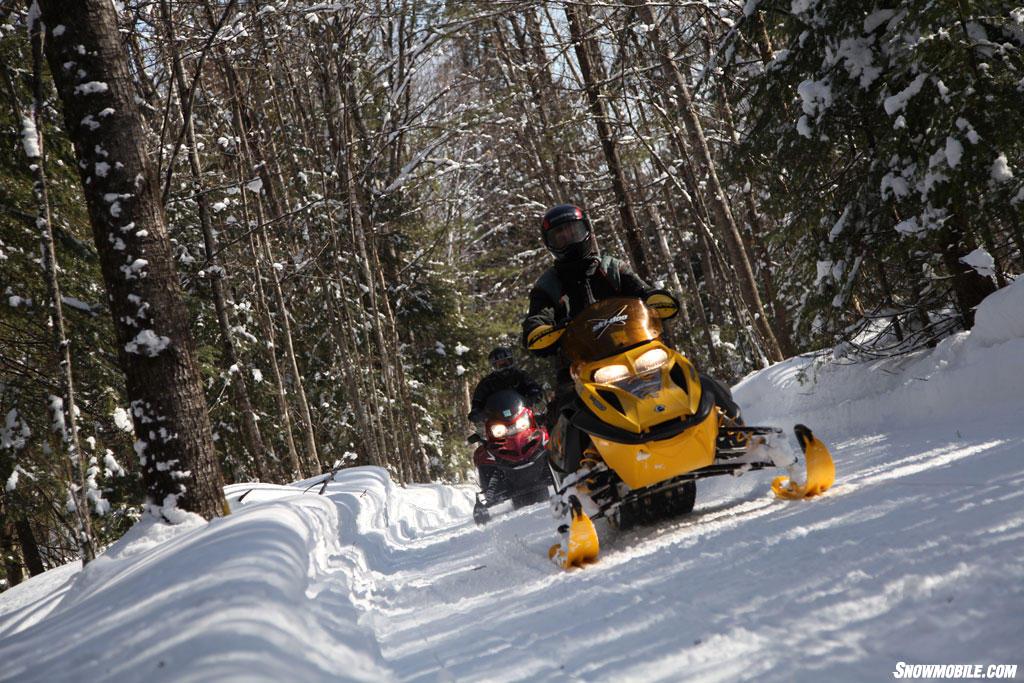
821 470
579 544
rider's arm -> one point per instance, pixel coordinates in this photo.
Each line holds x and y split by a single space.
479 396
530 389
540 312
630 283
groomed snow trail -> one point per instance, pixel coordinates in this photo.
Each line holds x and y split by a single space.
913 556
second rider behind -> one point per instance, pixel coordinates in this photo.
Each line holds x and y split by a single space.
504 375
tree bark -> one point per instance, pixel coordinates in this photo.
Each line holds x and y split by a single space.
8 550
589 69
217 273
29 548
121 188
77 462
723 215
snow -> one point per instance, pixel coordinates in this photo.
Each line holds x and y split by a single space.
56 407
1001 171
954 151
840 225
91 88
912 557
909 226
815 96
981 261
78 304
895 184
803 127
135 269
876 19
147 343
30 138
859 60
122 420
801 6
897 102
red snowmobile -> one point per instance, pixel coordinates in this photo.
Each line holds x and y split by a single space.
512 459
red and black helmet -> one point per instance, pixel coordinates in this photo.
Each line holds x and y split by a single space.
567 232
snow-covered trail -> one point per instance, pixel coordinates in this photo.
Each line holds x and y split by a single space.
912 557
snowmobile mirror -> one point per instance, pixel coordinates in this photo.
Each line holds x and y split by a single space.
663 304
543 336
474 438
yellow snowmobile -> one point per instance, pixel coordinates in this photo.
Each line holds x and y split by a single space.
642 429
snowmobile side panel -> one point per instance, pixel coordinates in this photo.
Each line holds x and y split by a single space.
652 462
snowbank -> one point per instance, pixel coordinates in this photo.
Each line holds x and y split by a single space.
969 376
239 598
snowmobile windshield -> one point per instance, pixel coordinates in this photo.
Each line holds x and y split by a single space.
565 234
503 406
609 327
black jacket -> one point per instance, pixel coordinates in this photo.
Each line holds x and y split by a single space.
513 378
565 289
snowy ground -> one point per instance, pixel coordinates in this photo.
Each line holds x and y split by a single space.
913 556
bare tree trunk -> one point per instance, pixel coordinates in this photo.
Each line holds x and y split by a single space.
263 311
251 436
312 457
122 191
8 549
723 214
77 462
591 72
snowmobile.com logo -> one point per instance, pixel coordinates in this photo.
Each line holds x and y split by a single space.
994 671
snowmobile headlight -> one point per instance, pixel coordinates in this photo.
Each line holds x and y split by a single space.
522 423
610 373
498 431
650 360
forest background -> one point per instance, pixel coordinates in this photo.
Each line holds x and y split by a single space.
351 192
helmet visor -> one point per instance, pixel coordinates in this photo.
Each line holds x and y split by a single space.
565 234
502 363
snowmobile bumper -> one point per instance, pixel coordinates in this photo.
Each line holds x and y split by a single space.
821 470
650 462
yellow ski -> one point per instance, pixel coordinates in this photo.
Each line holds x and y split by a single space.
580 544
821 470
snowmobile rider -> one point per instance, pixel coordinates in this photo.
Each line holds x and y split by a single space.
578 278
504 375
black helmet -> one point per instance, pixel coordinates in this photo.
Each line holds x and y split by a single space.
501 359
567 233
